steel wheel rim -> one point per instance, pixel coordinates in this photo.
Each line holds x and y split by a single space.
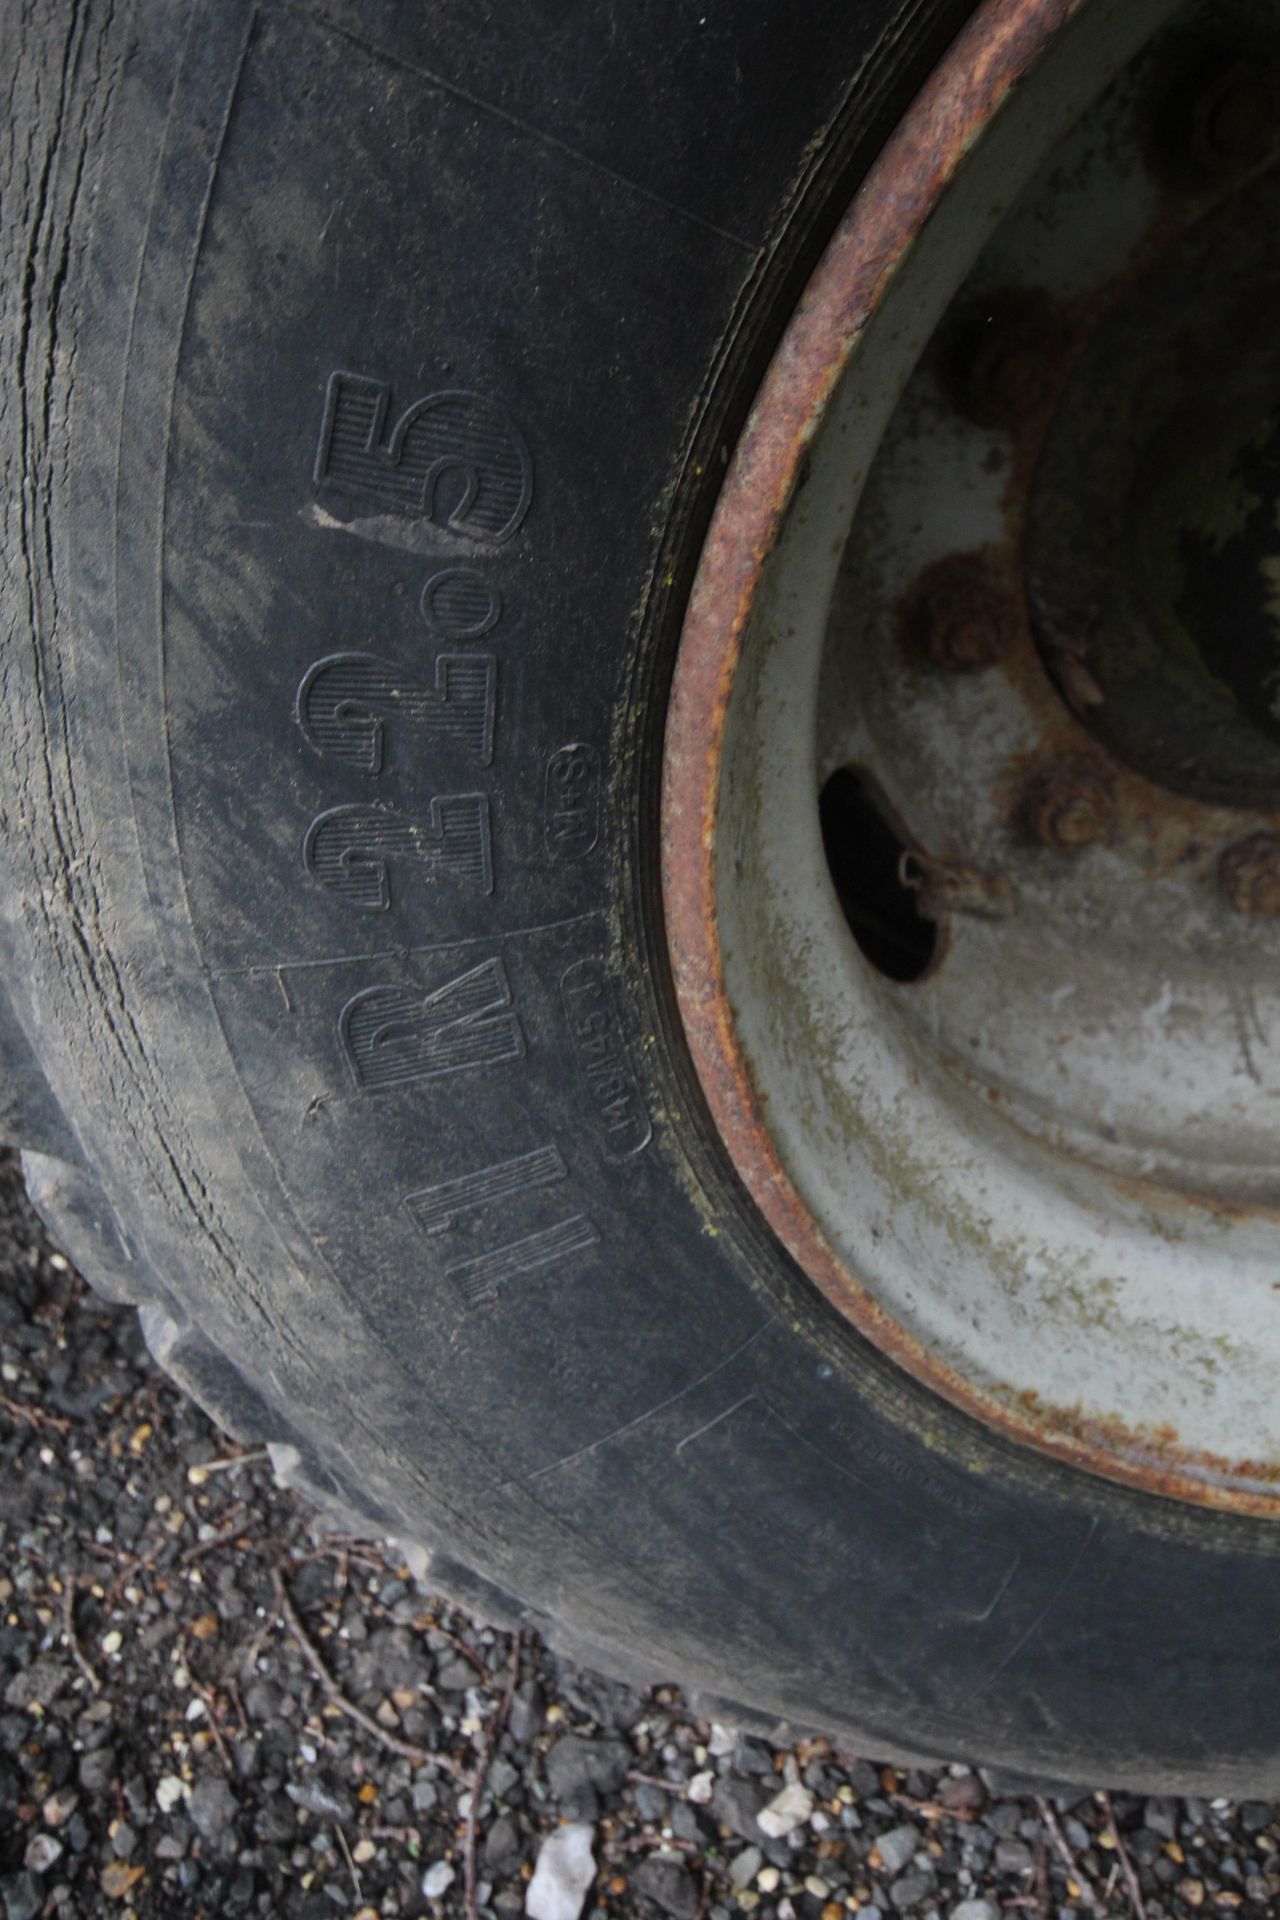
746 977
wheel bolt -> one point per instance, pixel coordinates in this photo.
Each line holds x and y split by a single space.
1070 807
1236 119
1249 874
1004 357
960 619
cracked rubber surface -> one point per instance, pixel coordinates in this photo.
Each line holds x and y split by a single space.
366 377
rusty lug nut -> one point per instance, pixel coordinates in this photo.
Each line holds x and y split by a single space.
1070 807
1076 682
1004 359
959 617
1249 874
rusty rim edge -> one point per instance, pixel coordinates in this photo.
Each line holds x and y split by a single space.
998 47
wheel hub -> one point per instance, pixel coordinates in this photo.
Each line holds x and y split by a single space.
971 841
1152 543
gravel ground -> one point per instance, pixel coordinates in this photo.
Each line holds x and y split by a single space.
211 1705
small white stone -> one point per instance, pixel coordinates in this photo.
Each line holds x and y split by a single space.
169 1792
42 1851
113 1641
437 1880
786 1811
701 1788
767 1879
722 1742
562 1878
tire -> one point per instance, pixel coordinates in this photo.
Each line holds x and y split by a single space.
357 349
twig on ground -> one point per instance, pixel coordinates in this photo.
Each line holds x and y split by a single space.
670 1843
351 1865
233 1530
69 1634
1040 1878
344 1549
420 1756
210 1699
247 1658
237 1701
127 1565
342 1571
200 1471
1125 1858
492 1735
116 1554
460 1646
1063 1849
931 1809
36 1417
368 1552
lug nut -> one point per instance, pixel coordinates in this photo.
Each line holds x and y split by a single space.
1070 807
1004 357
1076 682
1235 121
959 618
1249 874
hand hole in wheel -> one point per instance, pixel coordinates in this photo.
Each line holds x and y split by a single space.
864 857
